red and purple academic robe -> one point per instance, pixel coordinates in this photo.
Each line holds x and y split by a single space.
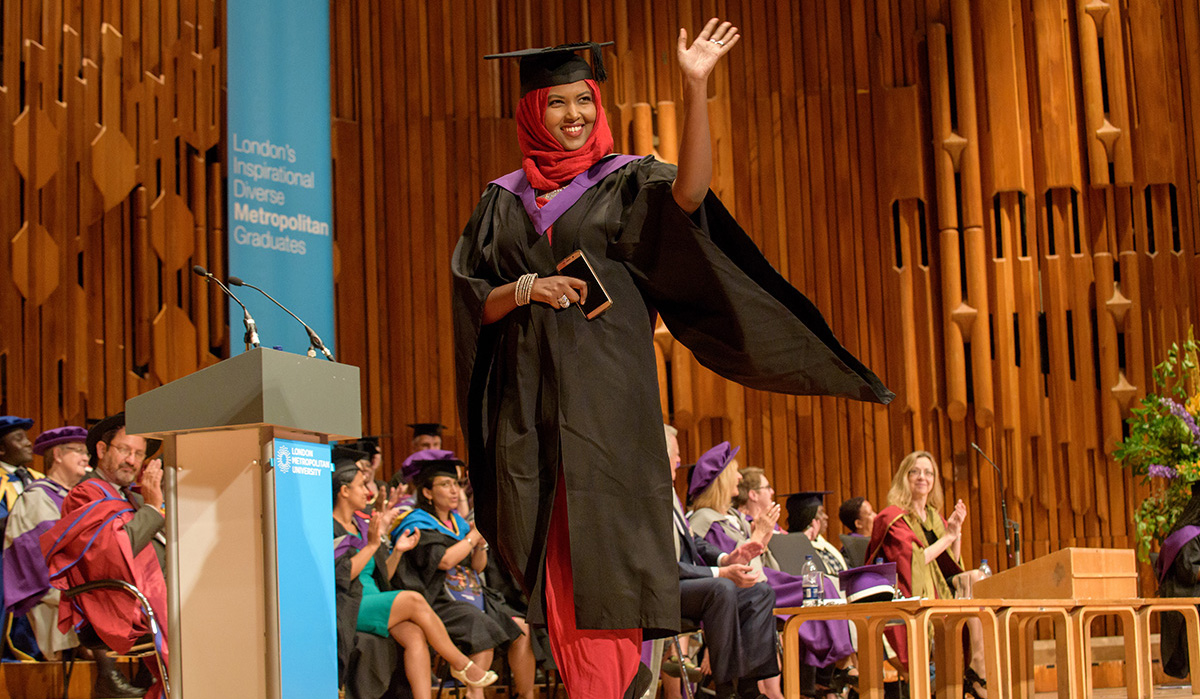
90 543
899 538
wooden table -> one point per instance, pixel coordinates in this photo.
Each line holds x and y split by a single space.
1006 630
869 618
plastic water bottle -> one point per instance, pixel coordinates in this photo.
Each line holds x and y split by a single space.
811 578
985 569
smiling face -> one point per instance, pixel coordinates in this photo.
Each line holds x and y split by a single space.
15 448
570 114
921 478
443 492
68 461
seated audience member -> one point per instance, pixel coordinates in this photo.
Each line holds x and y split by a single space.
1178 573
445 567
107 531
16 454
714 481
722 591
366 602
911 533
27 588
426 435
806 513
857 516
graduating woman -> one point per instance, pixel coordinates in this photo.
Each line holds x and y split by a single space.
1178 572
366 602
561 408
446 565
911 533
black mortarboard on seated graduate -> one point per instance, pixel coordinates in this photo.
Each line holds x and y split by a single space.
802 508
367 445
557 65
423 428
345 456
427 463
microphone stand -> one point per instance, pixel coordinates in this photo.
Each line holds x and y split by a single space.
251 336
314 340
1012 543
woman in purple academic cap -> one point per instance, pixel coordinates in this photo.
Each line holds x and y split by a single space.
825 644
561 410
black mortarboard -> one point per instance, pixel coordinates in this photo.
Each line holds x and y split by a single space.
97 431
557 65
802 508
432 469
367 445
345 457
431 428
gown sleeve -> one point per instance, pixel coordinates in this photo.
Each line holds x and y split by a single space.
1186 568
725 302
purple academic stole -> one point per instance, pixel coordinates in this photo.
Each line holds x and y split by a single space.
543 218
1172 546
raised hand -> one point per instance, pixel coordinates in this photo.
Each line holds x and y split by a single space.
151 482
764 525
698 60
954 524
407 541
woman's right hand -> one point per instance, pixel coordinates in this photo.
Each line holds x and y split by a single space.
954 524
549 290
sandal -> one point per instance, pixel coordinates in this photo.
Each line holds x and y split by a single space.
972 683
488 678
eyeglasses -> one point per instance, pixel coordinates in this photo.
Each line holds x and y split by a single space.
446 483
928 473
126 452
764 487
75 450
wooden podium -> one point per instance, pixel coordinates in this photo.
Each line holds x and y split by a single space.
1072 573
250 593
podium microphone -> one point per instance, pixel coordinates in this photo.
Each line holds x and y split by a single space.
1012 544
251 338
314 341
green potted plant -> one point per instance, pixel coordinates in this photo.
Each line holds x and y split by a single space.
1163 446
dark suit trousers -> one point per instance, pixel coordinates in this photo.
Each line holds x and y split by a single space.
739 626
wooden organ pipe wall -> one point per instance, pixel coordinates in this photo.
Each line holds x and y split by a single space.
993 203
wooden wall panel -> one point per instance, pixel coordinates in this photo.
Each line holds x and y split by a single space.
993 203
110 190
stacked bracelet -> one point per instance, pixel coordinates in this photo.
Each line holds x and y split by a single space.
525 288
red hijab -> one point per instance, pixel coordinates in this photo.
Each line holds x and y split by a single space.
546 163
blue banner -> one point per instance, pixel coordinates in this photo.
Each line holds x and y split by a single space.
280 211
304 560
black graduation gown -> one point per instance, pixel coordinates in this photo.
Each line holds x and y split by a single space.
369 667
1180 582
543 386
471 630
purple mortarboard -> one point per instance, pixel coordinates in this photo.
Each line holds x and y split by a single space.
419 462
710 465
59 435
802 508
873 583
8 423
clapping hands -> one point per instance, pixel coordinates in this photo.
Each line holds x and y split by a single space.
955 522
